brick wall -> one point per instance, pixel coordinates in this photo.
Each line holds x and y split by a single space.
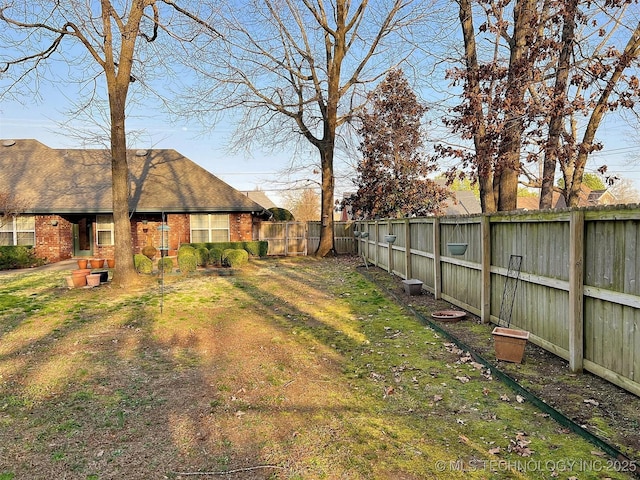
240 227
54 238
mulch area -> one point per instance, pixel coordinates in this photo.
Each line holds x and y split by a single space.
607 411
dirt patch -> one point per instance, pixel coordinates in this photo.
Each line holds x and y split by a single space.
607 411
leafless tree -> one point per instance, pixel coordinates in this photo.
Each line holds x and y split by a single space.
304 204
10 206
103 41
301 68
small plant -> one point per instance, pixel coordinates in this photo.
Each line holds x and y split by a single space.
187 260
235 258
202 256
149 251
142 263
215 256
165 264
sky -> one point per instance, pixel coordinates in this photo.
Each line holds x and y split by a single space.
258 170
41 119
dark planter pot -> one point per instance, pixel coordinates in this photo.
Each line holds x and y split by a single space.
104 275
457 248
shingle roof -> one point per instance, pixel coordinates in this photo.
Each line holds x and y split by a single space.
259 197
79 180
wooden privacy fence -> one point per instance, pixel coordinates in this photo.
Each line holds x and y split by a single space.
579 290
303 238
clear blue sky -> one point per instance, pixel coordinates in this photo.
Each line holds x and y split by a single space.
41 120
261 170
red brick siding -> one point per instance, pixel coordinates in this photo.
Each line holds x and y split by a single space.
240 227
53 242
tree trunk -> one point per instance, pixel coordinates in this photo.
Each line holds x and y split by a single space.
326 244
558 106
631 52
124 273
519 79
484 168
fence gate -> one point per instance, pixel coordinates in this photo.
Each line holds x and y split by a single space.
285 238
296 238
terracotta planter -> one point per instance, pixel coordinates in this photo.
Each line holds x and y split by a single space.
509 344
82 263
79 277
97 262
111 262
93 280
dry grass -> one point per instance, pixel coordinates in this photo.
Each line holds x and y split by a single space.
293 369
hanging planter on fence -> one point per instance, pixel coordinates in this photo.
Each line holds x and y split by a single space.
457 248
390 238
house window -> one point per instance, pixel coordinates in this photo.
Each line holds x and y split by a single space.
104 230
19 230
209 228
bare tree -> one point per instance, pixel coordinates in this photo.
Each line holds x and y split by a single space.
105 43
299 69
10 206
304 204
625 192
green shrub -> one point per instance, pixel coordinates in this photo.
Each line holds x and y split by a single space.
236 258
165 264
202 256
255 248
187 260
186 248
142 263
281 214
215 256
19 256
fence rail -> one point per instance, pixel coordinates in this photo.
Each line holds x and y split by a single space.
579 290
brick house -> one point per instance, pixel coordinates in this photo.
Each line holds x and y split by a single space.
67 194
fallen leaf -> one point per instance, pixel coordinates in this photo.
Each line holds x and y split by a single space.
389 391
437 398
505 398
460 421
591 401
463 439
494 451
463 379
519 399
485 391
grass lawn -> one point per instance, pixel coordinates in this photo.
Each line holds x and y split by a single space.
292 369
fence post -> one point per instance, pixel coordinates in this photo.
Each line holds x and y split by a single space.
390 250
437 268
485 262
407 249
576 291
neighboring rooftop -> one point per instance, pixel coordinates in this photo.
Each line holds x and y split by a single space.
79 180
